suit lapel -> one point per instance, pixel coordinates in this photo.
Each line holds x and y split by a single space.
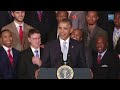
94 32
70 52
15 30
104 58
6 58
24 34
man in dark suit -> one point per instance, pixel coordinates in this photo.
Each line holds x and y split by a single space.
114 32
64 50
106 64
45 21
5 18
29 63
8 56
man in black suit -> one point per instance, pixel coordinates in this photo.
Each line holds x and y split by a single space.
114 32
5 18
45 21
29 63
106 64
64 50
8 56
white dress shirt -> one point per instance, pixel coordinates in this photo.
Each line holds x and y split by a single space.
6 49
67 45
102 54
33 50
17 26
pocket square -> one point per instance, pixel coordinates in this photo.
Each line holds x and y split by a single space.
74 17
104 66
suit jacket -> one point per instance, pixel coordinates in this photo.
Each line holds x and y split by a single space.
47 26
16 40
108 68
53 57
111 47
103 21
118 47
91 43
5 18
6 70
78 19
25 68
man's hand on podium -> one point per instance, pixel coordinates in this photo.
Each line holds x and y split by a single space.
91 74
37 73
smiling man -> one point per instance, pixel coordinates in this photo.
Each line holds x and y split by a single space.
64 50
106 64
8 56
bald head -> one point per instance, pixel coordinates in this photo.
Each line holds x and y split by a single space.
101 43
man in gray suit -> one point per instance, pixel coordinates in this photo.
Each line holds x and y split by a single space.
19 30
93 30
91 33
78 19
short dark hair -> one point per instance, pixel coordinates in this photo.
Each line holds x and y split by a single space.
62 11
5 31
32 31
67 21
93 11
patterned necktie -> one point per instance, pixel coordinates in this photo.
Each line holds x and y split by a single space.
36 53
20 34
10 57
64 51
115 39
99 58
39 15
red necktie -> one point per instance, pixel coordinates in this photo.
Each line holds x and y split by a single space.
20 33
99 58
39 15
10 56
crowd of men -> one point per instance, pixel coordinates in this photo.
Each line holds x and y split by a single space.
30 40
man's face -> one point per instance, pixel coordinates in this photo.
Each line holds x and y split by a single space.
61 15
101 44
64 30
7 39
117 20
35 40
18 15
77 35
91 18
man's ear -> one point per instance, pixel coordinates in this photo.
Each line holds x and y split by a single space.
0 41
97 17
71 30
12 13
29 39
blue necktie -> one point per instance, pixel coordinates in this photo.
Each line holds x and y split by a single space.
64 51
36 53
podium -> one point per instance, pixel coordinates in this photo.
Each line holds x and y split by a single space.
51 73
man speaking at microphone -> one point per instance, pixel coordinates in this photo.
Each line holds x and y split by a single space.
64 50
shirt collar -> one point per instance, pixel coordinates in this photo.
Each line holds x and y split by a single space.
116 30
33 49
17 25
67 41
6 48
102 53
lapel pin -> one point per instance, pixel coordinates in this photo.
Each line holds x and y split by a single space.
72 46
